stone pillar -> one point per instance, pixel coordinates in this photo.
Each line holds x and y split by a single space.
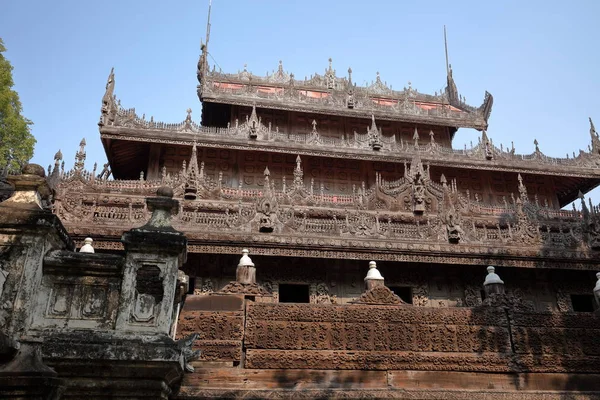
493 284
27 233
373 278
246 271
155 252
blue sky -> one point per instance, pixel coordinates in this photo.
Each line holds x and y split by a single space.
538 58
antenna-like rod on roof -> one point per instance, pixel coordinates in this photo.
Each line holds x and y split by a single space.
445 46
208 24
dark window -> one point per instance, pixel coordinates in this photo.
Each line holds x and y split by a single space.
404 292
289 293
482 294
192 285
583 302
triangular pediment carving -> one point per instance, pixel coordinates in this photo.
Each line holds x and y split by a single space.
380 295
235 287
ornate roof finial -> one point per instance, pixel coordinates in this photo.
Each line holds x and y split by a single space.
522 189
80 157
267 172
298 173
349 77
593 129
330 61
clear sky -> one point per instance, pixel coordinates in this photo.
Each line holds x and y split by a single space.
540 59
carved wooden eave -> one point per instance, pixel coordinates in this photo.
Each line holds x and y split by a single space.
365 250
118 123
584 166
381 222
332 95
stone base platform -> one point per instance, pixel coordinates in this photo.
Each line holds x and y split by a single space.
321 384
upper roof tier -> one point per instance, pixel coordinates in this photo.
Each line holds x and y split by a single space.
334 95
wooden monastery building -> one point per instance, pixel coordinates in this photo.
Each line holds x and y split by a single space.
337 246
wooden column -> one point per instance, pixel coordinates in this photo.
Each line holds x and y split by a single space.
154 162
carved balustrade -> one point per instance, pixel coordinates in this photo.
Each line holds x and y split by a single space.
412 209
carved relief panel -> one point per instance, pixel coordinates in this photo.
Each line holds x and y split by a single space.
147 292
77 302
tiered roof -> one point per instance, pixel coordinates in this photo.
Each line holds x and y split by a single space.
333 95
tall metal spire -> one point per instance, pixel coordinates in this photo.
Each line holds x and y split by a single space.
446 48
208 24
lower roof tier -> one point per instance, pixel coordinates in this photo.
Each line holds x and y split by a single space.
371 145
130 155
419 216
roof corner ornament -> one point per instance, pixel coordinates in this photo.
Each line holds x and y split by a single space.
203 60
108 110
488 152
595 138
451 90
486 107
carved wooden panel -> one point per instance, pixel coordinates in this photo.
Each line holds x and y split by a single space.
343 337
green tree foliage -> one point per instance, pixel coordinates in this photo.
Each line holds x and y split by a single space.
16 140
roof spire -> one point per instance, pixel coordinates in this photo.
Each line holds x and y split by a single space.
203 62
593 129
451 89
446 48
208 25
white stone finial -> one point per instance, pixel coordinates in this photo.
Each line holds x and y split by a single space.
492 277
245 261
87 246
373 273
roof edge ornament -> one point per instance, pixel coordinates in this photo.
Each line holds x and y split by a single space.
595 138
203 60
108 110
